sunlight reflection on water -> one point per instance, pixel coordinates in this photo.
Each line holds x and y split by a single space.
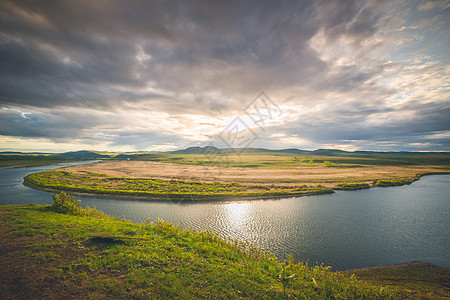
345 230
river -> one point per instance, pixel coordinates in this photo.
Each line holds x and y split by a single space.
347 229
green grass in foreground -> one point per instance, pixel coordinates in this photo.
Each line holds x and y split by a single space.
166 263
103 184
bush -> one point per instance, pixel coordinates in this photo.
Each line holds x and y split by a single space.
328 163
353 186
395 182
65 204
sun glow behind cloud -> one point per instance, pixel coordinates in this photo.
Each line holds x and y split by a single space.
367 75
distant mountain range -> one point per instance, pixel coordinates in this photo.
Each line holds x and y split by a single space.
86 154
211 149
83 154
321 152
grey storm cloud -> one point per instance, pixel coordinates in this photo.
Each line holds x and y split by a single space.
84 53
24 124
354 127
69 62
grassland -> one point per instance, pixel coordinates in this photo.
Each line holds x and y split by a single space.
51 255
253 175
251 158
263 169
30 160
95 183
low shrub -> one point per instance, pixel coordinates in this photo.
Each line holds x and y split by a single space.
65 204
394 182
353 186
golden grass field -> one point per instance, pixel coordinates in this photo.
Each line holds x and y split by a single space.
286 173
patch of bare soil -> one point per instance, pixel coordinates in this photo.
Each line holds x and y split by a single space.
23 277
423 280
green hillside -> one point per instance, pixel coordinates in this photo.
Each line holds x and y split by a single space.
63 251
195 154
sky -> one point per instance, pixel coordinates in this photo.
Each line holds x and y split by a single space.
166 75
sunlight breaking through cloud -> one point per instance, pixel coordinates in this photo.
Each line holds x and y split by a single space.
369 75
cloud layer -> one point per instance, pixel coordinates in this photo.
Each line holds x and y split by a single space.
115 75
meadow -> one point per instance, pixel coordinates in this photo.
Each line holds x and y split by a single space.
232 175
57 251
95 183
30 160
65 251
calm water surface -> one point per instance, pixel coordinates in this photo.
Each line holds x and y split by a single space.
345 230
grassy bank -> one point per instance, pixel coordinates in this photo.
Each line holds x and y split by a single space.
94 183
50 254
101 184
288 174
422 280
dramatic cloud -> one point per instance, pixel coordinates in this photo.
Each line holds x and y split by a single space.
160 75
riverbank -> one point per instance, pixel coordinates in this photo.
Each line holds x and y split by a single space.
54 255
101 185
267 173
157 189
421 279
